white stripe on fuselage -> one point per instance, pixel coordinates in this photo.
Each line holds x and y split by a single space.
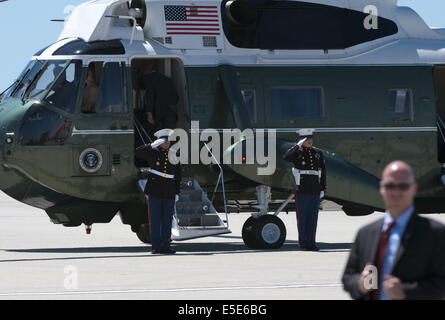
278 130
99 132
335 130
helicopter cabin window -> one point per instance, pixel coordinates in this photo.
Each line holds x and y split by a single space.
43 127
401 104
250 102
104 90
296 102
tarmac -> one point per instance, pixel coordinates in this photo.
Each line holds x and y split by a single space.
43 261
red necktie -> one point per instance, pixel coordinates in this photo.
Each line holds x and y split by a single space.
381 252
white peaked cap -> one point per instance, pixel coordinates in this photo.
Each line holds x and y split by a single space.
164 133
306 132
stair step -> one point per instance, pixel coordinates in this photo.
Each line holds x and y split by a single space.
208 220
203 228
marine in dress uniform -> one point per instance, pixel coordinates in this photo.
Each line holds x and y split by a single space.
310 184
162 190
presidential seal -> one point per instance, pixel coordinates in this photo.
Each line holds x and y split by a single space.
91 160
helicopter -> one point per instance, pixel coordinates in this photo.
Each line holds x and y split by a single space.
373 93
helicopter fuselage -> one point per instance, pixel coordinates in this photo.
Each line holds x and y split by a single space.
372 102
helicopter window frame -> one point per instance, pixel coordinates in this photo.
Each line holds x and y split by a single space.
99 110
284 115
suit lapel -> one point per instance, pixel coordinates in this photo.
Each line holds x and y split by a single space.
407 234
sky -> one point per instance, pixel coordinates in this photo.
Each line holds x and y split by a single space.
25 28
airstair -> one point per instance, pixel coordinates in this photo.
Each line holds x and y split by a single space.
194 216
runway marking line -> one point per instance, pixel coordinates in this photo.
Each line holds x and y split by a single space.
92 292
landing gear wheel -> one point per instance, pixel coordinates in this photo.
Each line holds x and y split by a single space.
269 232
247 233
144 233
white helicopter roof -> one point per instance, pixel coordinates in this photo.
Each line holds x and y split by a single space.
97 20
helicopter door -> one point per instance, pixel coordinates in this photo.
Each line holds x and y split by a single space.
103 133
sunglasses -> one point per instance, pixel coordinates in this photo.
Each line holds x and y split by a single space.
400 186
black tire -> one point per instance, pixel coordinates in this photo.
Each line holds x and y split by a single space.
269 232
144 233
247 233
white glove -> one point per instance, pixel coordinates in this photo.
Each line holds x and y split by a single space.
321 194
157 143
300 143
177 198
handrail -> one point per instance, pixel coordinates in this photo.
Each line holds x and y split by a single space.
220 179
139 127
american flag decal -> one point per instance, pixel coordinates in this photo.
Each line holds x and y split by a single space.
192 20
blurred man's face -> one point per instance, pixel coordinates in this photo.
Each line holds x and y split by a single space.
308 143
398 188
165 145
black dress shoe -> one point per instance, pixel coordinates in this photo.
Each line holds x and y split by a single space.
155 251
167 251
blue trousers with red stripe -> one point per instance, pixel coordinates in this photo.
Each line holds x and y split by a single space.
307 218
160 216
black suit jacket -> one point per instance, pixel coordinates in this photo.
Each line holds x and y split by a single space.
161 94
419 261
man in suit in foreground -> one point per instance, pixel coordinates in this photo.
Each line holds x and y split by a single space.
402 255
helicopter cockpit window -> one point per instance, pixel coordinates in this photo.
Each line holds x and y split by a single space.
91 88
18 81
63 93
44 79
296 102
109 96
112 97
43 127
28 75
